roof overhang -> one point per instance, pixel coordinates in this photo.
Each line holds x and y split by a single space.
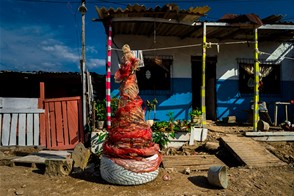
171 21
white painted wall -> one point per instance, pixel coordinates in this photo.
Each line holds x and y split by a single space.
227 66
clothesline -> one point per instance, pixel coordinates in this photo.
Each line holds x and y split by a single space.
209 44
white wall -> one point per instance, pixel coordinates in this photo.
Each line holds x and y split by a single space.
227 67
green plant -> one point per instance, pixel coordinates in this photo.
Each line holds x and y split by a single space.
151 106
161 126
170 116
162 138
182 125
100 109
114 106
196 112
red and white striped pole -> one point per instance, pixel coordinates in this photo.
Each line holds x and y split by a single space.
108 78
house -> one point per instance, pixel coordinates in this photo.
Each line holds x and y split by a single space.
211 65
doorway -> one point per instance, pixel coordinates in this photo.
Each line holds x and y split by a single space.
210 85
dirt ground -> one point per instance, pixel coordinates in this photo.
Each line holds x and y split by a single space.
25 180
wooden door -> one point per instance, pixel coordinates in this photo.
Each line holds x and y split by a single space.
62 123
210 85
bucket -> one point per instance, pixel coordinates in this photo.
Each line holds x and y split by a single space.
217 176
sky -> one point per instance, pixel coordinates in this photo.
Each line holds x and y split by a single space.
45 35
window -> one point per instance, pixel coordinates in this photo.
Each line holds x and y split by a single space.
156 74
269 77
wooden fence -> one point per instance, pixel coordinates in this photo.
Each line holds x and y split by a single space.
19 121
57 125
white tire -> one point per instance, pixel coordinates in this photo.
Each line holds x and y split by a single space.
115 174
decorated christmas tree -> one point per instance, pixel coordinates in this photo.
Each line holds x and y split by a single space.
130 156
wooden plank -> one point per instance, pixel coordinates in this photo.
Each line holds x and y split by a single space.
42 116
14 121
277 133
52 124
21 130
47 126
274 138
194 162
21 110
29 129
250 152
36 130
20 103
73 122
65 123
59 127
6 129
62 99
42 129
40 157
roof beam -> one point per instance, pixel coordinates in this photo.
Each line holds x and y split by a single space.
157 20
277 27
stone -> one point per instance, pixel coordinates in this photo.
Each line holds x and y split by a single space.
58 167
81 156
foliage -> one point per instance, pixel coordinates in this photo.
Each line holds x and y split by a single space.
171 116
100 109
171 125
161 126
162 138
164 130
114 105
196 112
182 125
151 106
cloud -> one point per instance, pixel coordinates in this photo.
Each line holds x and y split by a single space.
38 48
95 63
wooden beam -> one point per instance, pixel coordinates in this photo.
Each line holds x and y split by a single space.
274 138
21 111
280 133
277 27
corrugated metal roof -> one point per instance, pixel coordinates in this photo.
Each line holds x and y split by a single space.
169 11
170 20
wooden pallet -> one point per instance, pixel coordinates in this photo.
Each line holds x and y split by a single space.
193 162
250 152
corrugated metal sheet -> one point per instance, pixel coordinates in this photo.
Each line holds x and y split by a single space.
170 20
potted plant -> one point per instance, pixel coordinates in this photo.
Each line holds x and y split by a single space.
196 117
100 109
151 106
162 138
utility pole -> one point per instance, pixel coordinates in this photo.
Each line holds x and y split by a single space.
83 10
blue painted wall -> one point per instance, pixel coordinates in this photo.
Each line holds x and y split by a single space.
229 101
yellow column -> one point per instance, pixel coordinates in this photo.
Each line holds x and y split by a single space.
256 82
203 105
